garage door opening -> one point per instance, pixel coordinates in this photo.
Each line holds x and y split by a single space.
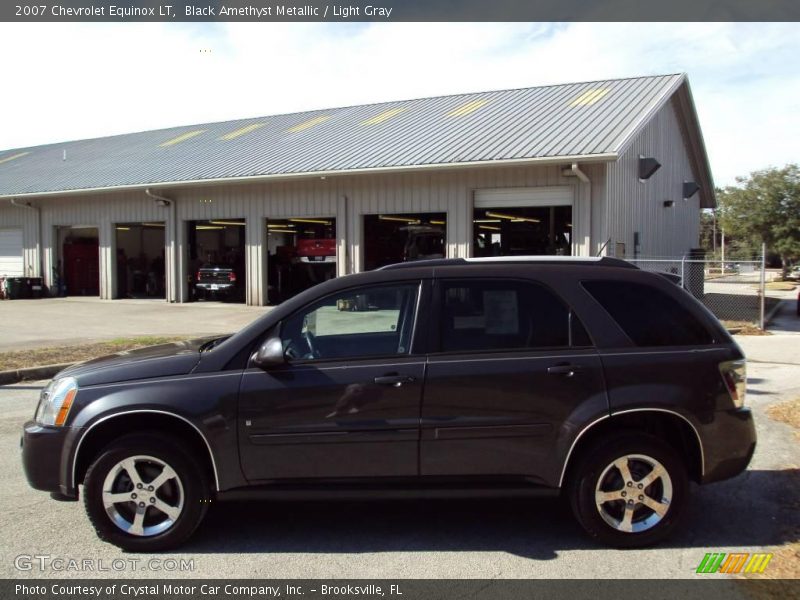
301 252
522 231
78 263
395 238
140 260
217 260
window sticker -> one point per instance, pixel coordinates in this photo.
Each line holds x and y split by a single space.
502 312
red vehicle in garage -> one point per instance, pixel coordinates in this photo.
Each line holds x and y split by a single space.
316 250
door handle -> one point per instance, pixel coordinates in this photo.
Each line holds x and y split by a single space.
394 380
565 370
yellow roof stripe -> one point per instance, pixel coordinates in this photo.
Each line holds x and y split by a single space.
590 97
13 157
384 116
241 131
469 107
308 124
182 138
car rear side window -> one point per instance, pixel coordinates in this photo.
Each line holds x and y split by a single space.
486 315
648 316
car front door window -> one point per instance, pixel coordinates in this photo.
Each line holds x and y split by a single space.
360 323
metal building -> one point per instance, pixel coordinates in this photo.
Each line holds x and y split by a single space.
614 167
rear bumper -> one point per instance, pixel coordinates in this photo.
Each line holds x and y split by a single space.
42 451
215 287
729 448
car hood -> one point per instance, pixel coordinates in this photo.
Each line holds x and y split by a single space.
177 358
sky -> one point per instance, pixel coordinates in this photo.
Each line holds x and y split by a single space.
64 81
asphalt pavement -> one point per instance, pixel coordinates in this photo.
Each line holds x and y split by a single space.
61 321
443 539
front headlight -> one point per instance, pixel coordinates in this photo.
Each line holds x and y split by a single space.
55 401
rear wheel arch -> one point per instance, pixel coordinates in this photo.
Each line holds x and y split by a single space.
108 429
670 426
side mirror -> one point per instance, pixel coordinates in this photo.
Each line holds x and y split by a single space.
270 354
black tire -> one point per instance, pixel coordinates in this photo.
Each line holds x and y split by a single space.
191 485
596 462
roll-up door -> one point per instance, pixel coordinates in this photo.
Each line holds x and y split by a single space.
561 195
11 253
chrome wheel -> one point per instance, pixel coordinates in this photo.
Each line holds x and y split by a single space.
633 493
143 495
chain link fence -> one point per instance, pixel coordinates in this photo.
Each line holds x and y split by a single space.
732 290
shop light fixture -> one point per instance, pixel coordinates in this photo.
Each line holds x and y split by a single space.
152 225
207 227
486 220
319 221
240 223
489 227
123 228
408 220
515 218
280 225
437 223
271 231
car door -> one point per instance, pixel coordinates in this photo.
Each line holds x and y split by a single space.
346 403
513 365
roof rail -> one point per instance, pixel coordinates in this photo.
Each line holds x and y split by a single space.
602 261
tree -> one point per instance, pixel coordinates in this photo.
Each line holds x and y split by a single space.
765 207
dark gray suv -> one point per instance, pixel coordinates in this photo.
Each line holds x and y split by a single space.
526 376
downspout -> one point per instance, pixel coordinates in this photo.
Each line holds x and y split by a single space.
173 214
584 178
38 210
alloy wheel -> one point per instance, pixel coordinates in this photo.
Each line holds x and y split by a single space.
633 493
143 495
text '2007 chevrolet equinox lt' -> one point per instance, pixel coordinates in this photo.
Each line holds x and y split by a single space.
522 376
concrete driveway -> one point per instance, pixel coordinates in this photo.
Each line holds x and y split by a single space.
449 539
57 321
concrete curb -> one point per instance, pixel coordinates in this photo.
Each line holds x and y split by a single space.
31 373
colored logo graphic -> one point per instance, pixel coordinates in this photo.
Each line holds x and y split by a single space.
742 562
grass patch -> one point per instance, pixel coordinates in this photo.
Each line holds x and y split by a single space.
21 359
786 412
781 286
743 328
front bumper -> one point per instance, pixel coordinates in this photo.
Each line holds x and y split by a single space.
43 452
730 446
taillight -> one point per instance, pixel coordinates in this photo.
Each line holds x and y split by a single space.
734 374
232 277
198 276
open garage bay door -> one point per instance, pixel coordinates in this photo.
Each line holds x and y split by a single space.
11 253
523 221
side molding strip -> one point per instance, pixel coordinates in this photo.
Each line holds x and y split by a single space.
631 410
129 412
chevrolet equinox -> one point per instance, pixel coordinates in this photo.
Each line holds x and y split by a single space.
441 378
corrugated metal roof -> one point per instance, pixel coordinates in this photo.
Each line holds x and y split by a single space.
593 119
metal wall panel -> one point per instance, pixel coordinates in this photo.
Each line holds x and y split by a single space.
633 205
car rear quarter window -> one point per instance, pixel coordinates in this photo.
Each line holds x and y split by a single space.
487 315
649 316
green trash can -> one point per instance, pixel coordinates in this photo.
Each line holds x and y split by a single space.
17 288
